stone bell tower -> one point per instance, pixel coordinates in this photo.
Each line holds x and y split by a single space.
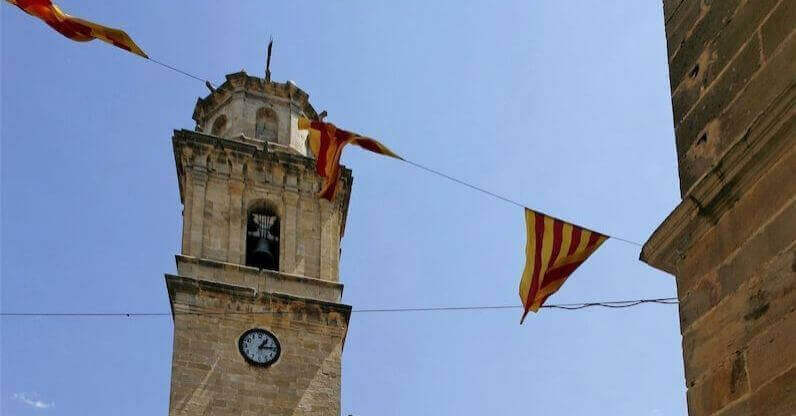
258 323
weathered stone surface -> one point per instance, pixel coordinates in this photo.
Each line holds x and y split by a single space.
246 154
777 397
221 179
712 62
236 107
745 162
259 280
725 384
697 146
698 300
713 16
765 298
679 25
740 407
772 239
778 27
767 196
773 351
735 116
716 47
209 376
669 7
732 241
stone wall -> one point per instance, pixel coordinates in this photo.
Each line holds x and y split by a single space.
259 280
239 99
728 60
220 179
731 242
210 377
216 298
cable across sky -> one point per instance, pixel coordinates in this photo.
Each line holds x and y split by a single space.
616 304
417 165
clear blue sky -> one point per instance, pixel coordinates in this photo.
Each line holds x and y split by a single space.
562 105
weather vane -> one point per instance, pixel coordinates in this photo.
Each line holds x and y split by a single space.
268 61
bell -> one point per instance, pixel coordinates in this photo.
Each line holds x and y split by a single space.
274 230
262 252
251 225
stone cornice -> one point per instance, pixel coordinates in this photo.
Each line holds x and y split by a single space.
242 82
743 163
260 151
176 283
208 263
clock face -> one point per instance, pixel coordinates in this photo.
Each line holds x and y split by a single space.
259 347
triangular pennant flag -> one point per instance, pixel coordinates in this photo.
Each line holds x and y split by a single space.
554 249
77 29
327 142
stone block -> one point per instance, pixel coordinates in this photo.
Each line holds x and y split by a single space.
712 18
779 26
680 18
773 351
717 53
753 209
772 80
740 407
769 90
772 239
723 385
764 298
699 300
777 397
696 149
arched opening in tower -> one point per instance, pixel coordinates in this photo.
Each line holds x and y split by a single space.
262 239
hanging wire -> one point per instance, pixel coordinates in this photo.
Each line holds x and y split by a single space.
564 306
425 168
180 71
502 198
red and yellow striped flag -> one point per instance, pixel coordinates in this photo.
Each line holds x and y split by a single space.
327 142
77 29
553 251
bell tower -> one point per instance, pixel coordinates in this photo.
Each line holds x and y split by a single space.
259 325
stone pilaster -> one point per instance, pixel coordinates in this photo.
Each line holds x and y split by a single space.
289 231
199 185
326 241
237 219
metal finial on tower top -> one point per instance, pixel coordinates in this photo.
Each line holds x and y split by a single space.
268 61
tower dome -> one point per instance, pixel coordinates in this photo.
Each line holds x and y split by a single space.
252 109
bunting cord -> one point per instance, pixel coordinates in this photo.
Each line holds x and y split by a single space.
503 198
563 306
427 169
179 71
430 170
